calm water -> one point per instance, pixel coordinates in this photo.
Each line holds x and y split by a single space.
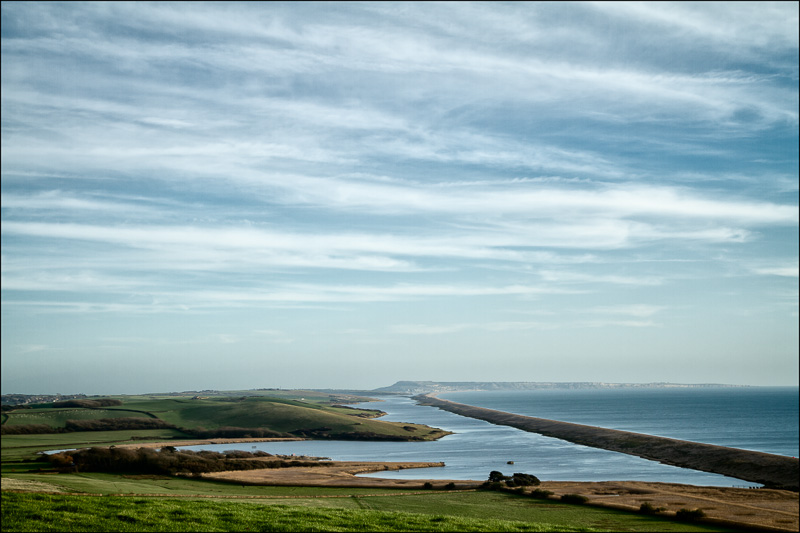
764 419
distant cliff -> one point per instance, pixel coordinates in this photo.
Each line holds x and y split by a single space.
419 387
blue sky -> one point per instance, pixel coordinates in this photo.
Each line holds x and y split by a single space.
335 195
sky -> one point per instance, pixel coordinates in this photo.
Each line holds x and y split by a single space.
231 196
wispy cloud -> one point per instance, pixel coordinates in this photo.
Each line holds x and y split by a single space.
786 271
636 310
397 169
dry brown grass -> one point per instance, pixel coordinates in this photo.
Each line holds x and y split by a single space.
760 508
28 486
766 508
339 474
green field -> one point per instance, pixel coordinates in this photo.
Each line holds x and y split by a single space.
85 513
58 417
300 412
323 510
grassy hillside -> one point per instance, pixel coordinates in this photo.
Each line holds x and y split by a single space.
288 414
319 510
58 417
285 416
86 513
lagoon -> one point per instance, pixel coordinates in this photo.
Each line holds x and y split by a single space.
477 447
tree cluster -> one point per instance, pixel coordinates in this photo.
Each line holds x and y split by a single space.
167 461
27 429
517 480
116 424
101 402
100 424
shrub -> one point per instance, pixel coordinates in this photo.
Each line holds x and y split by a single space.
574 498
427 485
28 429
541 494
524 480
517 480
493 485
169 462
116 424
495 476
450 486
91 404
647 508
686 514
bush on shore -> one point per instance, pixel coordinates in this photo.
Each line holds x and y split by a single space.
648 508
687 515
497 480
574 498
167 461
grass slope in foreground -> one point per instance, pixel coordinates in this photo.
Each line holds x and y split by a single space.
47 512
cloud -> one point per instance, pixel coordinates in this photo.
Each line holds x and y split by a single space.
784 271
58 201
562 276
427 329
414 169
636 310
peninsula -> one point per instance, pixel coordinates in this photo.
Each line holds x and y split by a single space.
773 471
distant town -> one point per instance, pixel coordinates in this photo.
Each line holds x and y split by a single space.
24 399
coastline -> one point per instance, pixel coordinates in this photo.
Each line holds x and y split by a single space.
773 471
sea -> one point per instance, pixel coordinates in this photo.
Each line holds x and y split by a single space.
754 418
